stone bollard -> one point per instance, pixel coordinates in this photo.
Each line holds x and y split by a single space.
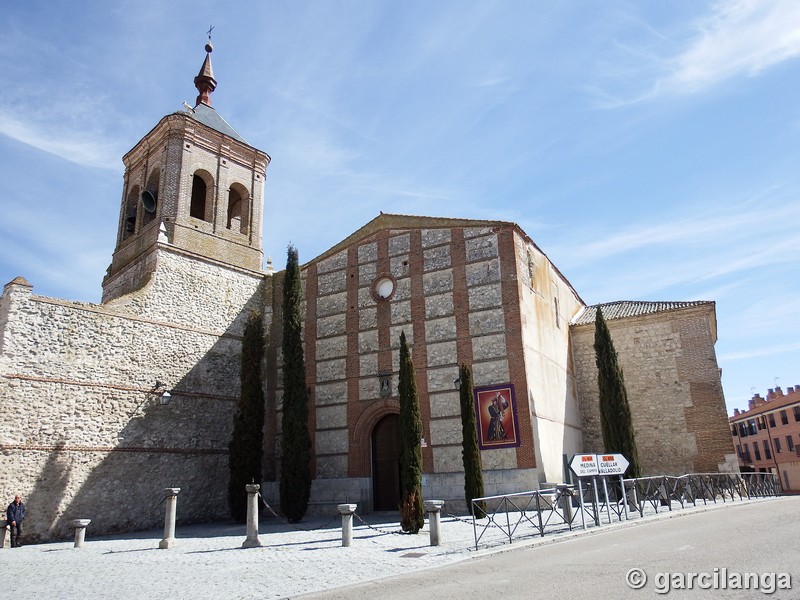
434 508
169 518
252 541
80 531
347 510
566 501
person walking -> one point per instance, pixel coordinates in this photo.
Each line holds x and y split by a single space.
15 513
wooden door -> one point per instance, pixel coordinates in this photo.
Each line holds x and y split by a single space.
386 463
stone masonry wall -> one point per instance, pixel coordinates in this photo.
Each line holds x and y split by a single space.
673 385
90 439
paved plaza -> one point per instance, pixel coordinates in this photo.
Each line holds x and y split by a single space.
207 560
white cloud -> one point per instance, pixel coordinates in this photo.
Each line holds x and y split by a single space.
735 38
738 37
717 250
682 230
769 312
77 147
714 231
764 351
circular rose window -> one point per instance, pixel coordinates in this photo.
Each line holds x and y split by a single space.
383 288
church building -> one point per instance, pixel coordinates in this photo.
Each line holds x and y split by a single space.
138 393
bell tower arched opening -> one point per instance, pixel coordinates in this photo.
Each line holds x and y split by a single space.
130 213
199 207
238 209
149 197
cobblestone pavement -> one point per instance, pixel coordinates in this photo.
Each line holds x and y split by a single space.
208 561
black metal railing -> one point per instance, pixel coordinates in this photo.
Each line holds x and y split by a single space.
537 512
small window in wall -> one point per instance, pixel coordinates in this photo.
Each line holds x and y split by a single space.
784 418
789 443
797 413
556 308
771 418
756 451
761 423
198 206
777 445
767 451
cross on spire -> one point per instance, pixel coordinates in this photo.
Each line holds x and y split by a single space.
205 82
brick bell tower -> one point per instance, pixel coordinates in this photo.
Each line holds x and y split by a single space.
192 185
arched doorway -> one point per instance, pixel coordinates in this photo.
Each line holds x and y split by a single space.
386 463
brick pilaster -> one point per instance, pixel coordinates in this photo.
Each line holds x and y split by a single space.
515 350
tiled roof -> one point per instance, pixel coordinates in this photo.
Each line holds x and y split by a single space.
19 281
626 308
210 117
768 406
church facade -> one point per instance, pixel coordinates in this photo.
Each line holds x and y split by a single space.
98 440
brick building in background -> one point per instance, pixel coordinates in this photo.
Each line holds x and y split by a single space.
95 442
767 435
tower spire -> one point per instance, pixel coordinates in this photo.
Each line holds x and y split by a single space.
205 82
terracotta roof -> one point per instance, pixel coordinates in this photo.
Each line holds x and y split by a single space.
632 308
19 281
768 406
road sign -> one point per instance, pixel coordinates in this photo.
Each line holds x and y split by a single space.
584 465
611 464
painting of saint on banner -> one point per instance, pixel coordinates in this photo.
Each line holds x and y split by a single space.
496 410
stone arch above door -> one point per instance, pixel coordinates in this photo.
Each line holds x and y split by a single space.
360 447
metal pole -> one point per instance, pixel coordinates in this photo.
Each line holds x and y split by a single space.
596 502
624 497
605 495
474 526
583 508
508 521
539 512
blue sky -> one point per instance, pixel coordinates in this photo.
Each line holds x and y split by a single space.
651 149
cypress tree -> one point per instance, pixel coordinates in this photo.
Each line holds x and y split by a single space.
247 440
615 412
295 482
412 512
473 473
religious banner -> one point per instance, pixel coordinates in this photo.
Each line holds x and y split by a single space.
496 409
